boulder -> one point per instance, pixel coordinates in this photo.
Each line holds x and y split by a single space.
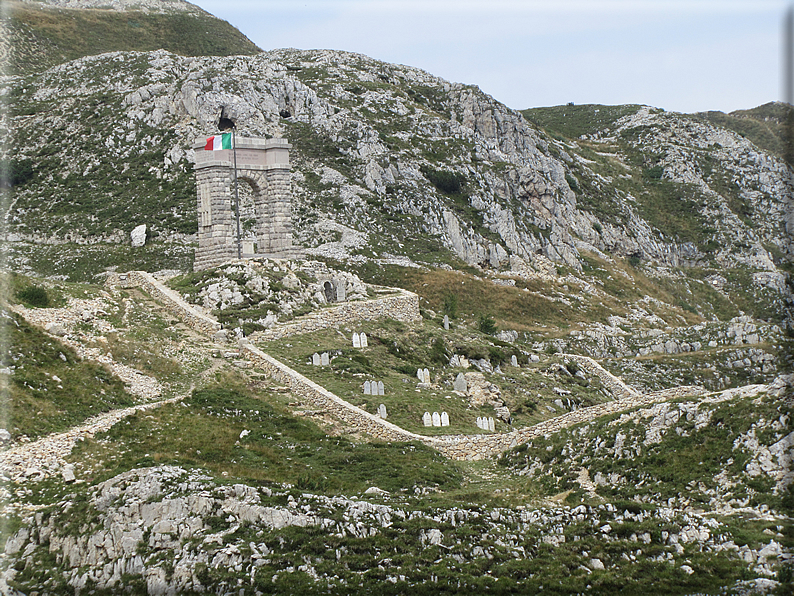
138 235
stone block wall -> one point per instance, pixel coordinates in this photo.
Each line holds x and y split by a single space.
172 301
262 163
405 306
613 384
401 307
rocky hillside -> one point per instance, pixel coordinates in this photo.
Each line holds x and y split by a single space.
39 34
410 164
204 476
567 260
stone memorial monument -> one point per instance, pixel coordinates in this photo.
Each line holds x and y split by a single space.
427 420
261 164
444 419
436 419
382 411
363 340
356 340
367 388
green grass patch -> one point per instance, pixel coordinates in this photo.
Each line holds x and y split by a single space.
206 430
49 388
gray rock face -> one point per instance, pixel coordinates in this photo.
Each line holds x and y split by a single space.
527 204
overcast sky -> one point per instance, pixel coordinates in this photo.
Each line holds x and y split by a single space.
680 55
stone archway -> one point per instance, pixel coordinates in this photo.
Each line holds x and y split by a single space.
263 169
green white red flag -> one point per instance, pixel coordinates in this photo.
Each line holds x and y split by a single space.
223 141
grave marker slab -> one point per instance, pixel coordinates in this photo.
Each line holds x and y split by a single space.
420 374
363 340
514 360
426 376
444 419
380 388
491 425
460 383
356 340
382 411
324 359
367 388
446 322
427 420
341 290
316 359
479 422
436 419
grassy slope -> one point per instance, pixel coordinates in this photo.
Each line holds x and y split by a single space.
46 37
763 125
51 389
572 121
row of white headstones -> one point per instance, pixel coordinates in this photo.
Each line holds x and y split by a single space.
435 419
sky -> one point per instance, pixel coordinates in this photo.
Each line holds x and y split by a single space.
680 55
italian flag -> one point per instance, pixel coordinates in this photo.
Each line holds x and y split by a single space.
223 141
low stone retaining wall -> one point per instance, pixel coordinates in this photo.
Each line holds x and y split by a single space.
613 384
402 307
460 447
323 399
172 301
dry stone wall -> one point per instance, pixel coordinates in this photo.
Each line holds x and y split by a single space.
612 383
404 307
174 303
401 307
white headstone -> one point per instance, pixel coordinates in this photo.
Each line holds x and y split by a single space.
138 235
363 339
460 383
356 340
420 374
479 422
316 359
382 411
324 359
380 388
444 419
514 360
491 425
367 388
427 420
426 376
436 419
341 289
446 322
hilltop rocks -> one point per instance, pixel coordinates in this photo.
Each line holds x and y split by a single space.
524 210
